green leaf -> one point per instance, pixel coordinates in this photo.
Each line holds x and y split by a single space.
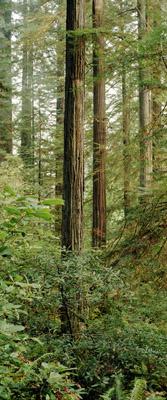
25 285
37 340
20 199
43 215
45 365
18 278
44 210
9 328
12 210
3 235
9 190
53 202
5 250
7 224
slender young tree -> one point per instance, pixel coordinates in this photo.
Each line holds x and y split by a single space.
5 79
59 123
73 173
99 132
144 104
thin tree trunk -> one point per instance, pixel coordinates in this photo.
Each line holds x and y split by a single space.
144 107
26 151
31 84
99 132
156 102
59 129
73 174
5 81
126 150
40 158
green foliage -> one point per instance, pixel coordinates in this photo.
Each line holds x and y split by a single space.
20 215
138 390
24 375
120 334
116 337
116 391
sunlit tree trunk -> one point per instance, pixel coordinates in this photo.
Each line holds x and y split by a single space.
144 106
5 80
73 175
99 132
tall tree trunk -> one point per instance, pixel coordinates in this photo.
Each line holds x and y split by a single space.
26 150
156 102
5 80
59 127
40 156
31 85
99 132
144 106
126 150
73 173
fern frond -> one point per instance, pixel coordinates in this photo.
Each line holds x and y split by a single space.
138 390
109 394
156 396
118 388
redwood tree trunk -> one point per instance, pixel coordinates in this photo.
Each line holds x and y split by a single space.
99 133
144 106
73 173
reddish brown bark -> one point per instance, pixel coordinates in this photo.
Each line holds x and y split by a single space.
99 133
73 174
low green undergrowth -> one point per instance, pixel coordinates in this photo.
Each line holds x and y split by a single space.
90 326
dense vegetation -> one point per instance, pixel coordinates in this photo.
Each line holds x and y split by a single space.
117 346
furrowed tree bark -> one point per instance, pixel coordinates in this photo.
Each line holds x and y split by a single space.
144 105
99 132
73 172
5 79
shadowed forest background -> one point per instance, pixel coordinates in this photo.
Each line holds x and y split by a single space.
83 199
